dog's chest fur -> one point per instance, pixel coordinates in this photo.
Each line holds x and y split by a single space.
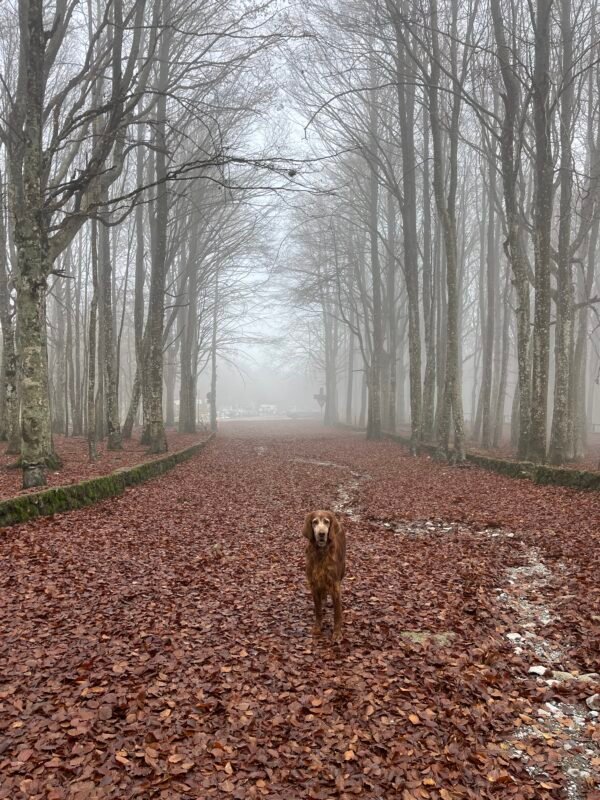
321 569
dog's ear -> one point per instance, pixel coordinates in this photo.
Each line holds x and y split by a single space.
335 524
307 531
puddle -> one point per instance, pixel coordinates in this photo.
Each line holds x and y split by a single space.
427 527
434 527
568 726
345 502
347 494
318 463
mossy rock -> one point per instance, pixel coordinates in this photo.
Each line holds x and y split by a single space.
538 473
503 466
560 476
440 639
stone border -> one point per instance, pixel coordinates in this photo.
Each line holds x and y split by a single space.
538 473
25 507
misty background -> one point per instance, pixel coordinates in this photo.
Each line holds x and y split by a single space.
209 205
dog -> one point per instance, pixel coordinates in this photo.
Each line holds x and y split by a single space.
325 565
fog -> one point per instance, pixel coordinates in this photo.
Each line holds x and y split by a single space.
235 205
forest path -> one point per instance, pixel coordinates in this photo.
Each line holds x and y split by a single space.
158 644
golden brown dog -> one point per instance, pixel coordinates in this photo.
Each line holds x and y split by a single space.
325 565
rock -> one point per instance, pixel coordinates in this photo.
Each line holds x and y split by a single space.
574 772
593 702
589 677
537 670
514 637
562 676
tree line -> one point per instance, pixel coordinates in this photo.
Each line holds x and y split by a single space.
133 164
449 266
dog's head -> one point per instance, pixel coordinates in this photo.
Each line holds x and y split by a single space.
320 527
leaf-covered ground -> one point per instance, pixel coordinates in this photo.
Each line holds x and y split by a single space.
159 645
76 466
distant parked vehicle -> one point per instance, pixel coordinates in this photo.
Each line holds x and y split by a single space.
235 413
267 410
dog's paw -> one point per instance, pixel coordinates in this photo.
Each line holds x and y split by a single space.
337 636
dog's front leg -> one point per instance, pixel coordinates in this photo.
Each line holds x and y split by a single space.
336 596
318 597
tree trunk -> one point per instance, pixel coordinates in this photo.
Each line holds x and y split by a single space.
58 406
33 262
452 399
514 246
36 447
374 428
152 381
406 107
92 431
488 355
77 404
9 356
136 396
138 304
501 393
363 399
188 351
560 441
440 332
350 382
213 376
392 316
429 301
113 427
330 416
578 377
480 330
71 385
170 378
541 232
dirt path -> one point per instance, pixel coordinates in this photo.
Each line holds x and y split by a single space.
158 645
